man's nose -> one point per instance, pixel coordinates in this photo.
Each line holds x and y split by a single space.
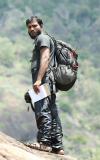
32 28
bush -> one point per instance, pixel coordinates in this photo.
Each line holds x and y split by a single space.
76 33
85 11
66 106
78 139
7 52
94 3
84 54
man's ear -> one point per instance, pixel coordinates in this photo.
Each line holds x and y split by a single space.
41 26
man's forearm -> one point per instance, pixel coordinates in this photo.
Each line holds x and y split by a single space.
43 67
44 62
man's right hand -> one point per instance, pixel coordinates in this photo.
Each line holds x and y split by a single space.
36 86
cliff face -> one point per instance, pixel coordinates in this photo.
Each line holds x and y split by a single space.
11 149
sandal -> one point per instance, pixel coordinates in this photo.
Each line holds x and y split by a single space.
38 146
30 145
61 152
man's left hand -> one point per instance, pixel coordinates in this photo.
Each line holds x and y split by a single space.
36 86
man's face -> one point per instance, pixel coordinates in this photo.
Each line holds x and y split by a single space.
34 29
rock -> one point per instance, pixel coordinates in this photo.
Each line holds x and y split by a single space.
15 150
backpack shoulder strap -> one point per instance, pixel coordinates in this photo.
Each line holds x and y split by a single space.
54 41
51 37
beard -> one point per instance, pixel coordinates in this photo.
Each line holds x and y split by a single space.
37 34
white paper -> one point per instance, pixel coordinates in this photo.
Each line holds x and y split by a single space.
36 97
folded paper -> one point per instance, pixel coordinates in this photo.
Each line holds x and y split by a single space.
44 92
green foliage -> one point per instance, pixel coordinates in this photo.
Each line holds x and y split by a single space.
3 7
71 93
94 125
66 106
65 121
84 12
23 26
2 125
84 54
78 139
63 115
3 4
96 153
94 58
68 124
7 52
76 33
70 38
94 3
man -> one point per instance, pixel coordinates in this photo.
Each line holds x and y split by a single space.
47 119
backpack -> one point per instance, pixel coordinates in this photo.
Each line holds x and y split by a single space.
64 74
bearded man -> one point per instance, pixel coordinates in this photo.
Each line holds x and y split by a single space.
46 113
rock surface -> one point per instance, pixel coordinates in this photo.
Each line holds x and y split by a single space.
11 149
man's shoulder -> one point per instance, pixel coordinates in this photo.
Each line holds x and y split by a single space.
43 37
44 40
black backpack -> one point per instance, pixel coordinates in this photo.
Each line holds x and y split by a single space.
64 74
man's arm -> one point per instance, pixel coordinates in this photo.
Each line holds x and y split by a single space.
45 54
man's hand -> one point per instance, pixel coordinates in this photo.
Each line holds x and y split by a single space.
36 86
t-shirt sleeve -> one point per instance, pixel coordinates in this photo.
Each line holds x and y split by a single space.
43 40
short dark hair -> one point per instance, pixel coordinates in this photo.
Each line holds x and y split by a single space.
34 18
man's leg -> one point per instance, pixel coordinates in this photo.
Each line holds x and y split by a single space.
56 134
43 119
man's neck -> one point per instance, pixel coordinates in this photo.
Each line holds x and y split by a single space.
37 37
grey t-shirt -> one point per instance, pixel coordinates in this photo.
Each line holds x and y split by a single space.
42 40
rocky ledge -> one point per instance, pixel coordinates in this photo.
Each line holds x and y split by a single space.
11 149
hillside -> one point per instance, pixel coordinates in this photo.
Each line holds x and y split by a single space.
70 21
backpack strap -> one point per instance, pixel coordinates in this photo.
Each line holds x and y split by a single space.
54 89
54 41
51 37
52 78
